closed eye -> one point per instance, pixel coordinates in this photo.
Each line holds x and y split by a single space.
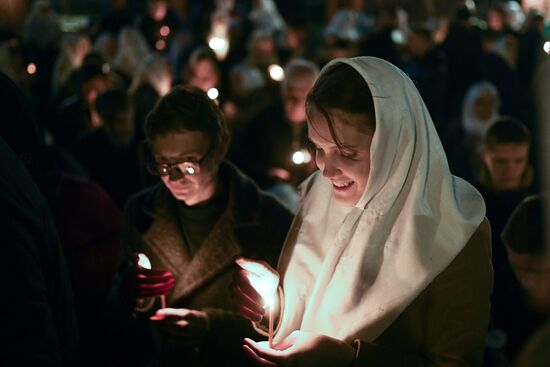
348 154
312 146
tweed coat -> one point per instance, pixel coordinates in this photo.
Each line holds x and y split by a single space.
254 224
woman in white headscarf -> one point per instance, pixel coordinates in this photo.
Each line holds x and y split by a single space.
480 109
388 259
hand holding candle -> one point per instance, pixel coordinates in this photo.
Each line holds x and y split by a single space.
256 282
152 283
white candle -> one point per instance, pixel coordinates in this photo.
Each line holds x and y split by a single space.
265 282
270 337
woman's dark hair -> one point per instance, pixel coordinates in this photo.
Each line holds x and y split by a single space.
187 108
343 88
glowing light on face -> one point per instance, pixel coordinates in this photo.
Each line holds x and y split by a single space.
144 261
164 31
547 47
213 93
191 146
276 72
301 157
346 166
31 68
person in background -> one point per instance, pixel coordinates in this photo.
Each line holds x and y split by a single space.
110 154
427 66
506 178
155 71
165 30
202 70
277 134
463 49
160 25
388 259
498 66
73 50
531 47
535 352
527 305
37 312
380 43
132 50
191 225
76 114
87 220
465 136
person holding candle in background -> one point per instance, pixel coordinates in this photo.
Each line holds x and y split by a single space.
387 262
191 226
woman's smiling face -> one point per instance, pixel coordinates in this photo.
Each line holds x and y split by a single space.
347 166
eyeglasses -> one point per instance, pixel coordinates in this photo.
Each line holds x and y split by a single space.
185 167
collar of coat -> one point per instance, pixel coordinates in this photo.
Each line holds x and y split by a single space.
222 245
242 207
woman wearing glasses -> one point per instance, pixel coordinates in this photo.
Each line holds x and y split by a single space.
191 226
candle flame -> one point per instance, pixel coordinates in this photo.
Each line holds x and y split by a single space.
31 68
301 157
276 72
144 261
164 31
262 280
213 93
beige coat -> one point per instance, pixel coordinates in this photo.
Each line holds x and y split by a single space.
446 324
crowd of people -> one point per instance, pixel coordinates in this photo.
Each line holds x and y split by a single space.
193 139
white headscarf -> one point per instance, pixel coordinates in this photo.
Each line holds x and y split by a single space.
474 127
350 272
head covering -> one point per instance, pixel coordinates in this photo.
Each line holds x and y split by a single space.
349 272
475 127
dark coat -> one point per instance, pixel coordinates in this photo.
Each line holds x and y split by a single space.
38 324
253 224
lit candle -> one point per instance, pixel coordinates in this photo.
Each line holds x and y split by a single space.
145 263
270 331
265 283
164 31
213 93
31 68
276 72
301 156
